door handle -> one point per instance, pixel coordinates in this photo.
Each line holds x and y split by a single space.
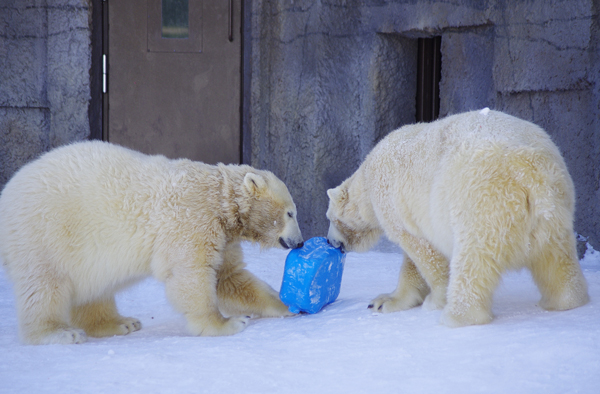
230 20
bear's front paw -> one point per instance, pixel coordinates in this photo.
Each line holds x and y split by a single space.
235 324
386 303
378 304
278 309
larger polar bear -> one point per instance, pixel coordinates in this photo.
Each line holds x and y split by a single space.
467 198
86 220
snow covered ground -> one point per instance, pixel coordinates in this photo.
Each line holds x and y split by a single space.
345 348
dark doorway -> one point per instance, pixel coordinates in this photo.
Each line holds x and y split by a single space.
429 73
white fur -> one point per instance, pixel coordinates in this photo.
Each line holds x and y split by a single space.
467 198
89 219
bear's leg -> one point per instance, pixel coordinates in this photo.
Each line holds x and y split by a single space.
490 211
424 275
101 319
557 273
43 303
410 292
242 293
432 265
474 275
192 289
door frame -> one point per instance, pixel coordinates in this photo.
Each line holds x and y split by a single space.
98 110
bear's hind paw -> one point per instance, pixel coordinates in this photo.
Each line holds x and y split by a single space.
211 328
433 303
568 300
122 326
465 318
63 336
130 324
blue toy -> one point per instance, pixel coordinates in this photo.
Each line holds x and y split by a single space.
312 276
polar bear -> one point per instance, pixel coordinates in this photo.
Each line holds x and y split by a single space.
89 219
466 198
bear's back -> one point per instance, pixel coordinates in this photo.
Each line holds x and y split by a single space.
92 205
81 192
417 168
423 148
89 175
477 127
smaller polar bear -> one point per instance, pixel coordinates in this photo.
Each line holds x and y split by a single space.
89 219
467 198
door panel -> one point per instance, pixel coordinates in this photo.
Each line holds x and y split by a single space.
175 96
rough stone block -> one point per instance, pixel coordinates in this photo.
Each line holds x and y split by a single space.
23 137
20 19
68 82
467 60
522 64
23 72
23 33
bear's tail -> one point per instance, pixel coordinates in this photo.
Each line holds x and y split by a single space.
552 256
550 199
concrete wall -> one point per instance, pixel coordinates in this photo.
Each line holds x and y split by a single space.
328 79
45 60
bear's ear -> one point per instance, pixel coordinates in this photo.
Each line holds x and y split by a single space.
254 183
332 193
338 194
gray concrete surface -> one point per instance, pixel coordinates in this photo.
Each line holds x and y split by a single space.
44 78
330 78
326 80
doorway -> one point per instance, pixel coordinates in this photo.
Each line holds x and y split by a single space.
429 74
173 83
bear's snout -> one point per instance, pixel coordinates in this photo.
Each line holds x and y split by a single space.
336 244
334 238
289 244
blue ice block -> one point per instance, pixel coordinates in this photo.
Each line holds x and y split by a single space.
312 276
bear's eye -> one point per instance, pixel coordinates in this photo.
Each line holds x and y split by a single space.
290 214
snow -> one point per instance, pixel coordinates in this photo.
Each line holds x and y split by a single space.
343 349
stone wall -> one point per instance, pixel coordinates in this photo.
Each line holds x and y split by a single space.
45 62
329 79
326 80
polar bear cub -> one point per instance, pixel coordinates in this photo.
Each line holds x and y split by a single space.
89 219
467 198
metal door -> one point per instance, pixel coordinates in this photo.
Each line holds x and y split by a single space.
174 78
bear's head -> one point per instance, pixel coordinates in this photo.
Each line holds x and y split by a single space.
352 222
270 212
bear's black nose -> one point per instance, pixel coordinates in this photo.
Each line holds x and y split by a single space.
301 244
